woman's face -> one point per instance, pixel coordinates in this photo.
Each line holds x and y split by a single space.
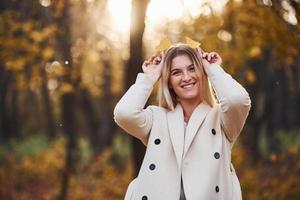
184 79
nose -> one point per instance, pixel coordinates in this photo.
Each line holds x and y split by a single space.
186 76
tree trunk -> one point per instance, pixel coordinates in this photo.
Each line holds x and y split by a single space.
3 112
72 154
90 117
50 122
105 116
14 117
138 13
68 99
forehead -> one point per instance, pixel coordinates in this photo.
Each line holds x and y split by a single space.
181 61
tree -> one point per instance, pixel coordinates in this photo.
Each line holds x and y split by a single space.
138 13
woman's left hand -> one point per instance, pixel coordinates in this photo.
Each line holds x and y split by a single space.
209 58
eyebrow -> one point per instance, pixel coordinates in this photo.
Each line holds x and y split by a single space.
180 69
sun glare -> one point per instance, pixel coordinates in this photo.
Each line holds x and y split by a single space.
159 11
120 14
167 9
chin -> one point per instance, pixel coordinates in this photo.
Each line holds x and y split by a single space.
190 97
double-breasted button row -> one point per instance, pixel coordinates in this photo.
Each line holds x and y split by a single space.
217 156
152 165
157 142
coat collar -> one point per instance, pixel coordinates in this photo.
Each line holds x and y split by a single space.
194 124
176 130
175 119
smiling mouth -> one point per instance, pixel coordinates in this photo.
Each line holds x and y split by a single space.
187 86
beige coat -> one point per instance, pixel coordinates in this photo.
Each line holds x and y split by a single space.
202 157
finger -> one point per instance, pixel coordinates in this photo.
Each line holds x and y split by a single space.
214 55
144 66
199 51
156 60
209 57
146 63
162 56
152 58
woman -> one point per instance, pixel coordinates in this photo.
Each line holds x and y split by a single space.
188 136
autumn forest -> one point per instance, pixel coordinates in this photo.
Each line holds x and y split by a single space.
64 64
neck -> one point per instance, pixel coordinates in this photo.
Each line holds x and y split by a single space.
188 106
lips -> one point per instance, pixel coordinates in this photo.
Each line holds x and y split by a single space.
188 86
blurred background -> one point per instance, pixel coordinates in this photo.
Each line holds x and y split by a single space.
65 63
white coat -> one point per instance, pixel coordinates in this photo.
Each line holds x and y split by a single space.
202 158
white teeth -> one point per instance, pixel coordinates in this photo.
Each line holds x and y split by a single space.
188 86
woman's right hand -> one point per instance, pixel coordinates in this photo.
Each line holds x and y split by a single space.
152 67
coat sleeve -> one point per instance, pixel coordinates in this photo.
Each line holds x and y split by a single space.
129 112
234 101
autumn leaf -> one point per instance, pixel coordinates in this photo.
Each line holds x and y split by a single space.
192 43
163 45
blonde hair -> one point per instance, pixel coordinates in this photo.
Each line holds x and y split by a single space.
166 96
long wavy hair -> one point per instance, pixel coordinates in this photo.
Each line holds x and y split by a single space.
166 96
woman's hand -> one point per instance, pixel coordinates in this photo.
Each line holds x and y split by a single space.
153 67
209 58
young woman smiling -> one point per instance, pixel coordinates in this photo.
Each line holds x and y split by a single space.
189 136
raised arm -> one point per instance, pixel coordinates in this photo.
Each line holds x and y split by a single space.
129 112
234 100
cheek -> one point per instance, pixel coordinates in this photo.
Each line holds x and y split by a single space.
173 82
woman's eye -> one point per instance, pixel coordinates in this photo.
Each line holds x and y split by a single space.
192 69
176 73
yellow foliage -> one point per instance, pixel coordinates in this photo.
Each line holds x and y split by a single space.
66 88
101 180
48 53
276 177
250 76
25 44
48 162
15 65
255 52
21 81
36 36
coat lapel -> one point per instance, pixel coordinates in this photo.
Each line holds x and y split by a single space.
194 124
176 129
